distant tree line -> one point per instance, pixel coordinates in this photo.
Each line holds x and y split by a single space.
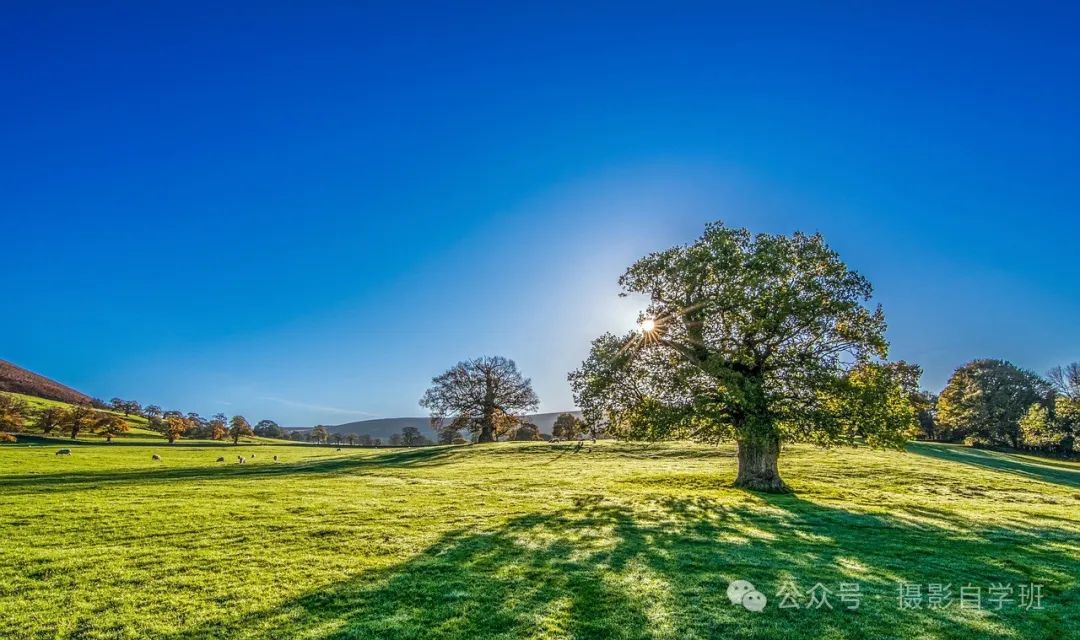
72 420
115 417
994 403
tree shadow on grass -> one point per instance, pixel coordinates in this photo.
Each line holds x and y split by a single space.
81 480
998 461
660 569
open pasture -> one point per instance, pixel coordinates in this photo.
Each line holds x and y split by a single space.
525 540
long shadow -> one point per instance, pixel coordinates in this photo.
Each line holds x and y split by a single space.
79 480
660 570
1004 462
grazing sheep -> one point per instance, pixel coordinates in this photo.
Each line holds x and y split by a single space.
64 452
155 457
275 458
242 459
221 459
253 456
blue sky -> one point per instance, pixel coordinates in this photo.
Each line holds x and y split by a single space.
305 213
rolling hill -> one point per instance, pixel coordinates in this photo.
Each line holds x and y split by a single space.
385 427
15 379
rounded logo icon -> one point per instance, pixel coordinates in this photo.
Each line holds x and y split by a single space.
737 589
754 601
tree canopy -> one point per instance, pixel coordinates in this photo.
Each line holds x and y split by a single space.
761 338
485 396
984 401
238 428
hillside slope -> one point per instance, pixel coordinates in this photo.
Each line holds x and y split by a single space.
15 379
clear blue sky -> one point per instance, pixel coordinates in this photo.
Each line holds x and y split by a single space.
305 213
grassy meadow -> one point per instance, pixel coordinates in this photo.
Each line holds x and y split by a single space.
524 541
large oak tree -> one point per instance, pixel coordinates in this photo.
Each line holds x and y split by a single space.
484 396
761 339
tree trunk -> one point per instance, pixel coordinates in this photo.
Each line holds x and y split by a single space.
487 421
758 465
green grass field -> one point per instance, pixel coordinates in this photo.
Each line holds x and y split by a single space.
525 541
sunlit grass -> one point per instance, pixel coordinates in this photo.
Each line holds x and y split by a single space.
520 540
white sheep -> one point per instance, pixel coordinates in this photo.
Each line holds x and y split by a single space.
242 459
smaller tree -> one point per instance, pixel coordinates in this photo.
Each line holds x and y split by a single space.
411 437
13 413
567 426
1037 428
527 432
337 438
448 434
395 440
1066 380
78 417
484 396
49 418
238 428
269 429
366 440
219 426
198 426
152 411
351 439
110 425
175 427
320 434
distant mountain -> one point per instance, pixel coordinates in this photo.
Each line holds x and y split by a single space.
386 427
18 380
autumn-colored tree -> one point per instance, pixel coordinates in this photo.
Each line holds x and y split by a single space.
483 396
238 428
78 417
110 425
49 418
14 412
174 427
219 426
